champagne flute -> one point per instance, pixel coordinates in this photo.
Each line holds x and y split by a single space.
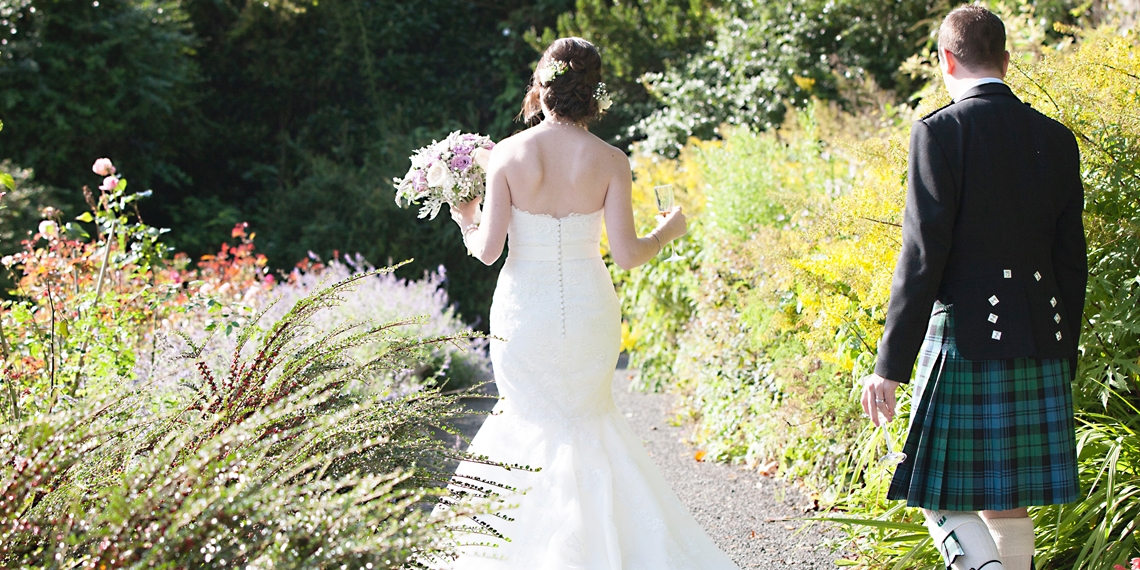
892 457
664 196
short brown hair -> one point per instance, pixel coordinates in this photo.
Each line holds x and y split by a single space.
975 36
570 94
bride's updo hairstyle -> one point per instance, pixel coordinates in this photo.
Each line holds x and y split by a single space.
570 92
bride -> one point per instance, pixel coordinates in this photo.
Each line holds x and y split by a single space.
599 502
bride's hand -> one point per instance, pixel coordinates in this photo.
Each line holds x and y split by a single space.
672 225
465 213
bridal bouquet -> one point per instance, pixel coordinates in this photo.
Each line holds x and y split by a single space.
446 172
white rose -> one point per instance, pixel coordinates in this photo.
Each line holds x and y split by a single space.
482 157
437 175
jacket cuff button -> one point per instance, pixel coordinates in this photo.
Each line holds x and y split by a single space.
997 335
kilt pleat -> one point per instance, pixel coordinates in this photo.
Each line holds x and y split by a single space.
986 434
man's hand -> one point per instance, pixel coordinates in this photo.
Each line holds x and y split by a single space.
879 399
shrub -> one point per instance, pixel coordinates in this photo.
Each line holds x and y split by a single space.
769 56
290 458
785 313
306 437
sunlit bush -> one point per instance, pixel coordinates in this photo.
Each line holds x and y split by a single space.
787 287
293 456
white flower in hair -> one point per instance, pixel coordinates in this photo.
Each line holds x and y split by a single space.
552 69
603 97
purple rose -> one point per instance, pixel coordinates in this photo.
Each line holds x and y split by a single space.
489 145
461 162
463 149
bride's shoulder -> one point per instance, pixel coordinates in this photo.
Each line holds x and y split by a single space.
514 145
613 155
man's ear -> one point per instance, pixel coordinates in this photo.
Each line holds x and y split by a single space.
1005 65
949 62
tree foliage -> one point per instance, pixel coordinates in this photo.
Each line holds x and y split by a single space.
768 56
635 38
294 116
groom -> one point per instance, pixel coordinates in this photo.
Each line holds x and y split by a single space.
993 242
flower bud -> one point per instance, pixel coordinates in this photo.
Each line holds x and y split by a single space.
103 167
109 183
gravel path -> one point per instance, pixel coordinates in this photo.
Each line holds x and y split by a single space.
745 513
751 517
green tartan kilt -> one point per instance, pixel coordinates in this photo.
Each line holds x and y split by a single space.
986 434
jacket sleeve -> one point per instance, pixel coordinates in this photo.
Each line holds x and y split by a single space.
1070 253
928 223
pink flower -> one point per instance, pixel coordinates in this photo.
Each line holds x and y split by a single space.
461 162
109 183
1136 563
489 145
103 167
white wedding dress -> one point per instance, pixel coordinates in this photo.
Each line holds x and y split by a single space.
599 502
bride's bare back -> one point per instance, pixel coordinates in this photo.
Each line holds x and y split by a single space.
558 168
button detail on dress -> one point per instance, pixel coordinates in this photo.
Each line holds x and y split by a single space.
1057 318
1037 275
996 335
1053 301
1007 274
993 318
994 300
1058 335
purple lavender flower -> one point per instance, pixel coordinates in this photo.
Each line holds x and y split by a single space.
461 162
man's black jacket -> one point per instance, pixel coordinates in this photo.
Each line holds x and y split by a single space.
992 225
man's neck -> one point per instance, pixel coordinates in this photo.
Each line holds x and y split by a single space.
958 86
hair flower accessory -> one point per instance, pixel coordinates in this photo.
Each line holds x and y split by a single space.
552 69
603 97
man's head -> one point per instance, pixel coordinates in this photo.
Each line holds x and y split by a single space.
971 44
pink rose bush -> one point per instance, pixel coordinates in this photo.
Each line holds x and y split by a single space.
446 172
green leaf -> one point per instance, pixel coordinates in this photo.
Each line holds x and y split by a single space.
85 217
7 180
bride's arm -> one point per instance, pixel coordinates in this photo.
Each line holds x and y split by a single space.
627 249
486 240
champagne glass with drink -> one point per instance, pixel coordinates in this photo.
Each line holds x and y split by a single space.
664 196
